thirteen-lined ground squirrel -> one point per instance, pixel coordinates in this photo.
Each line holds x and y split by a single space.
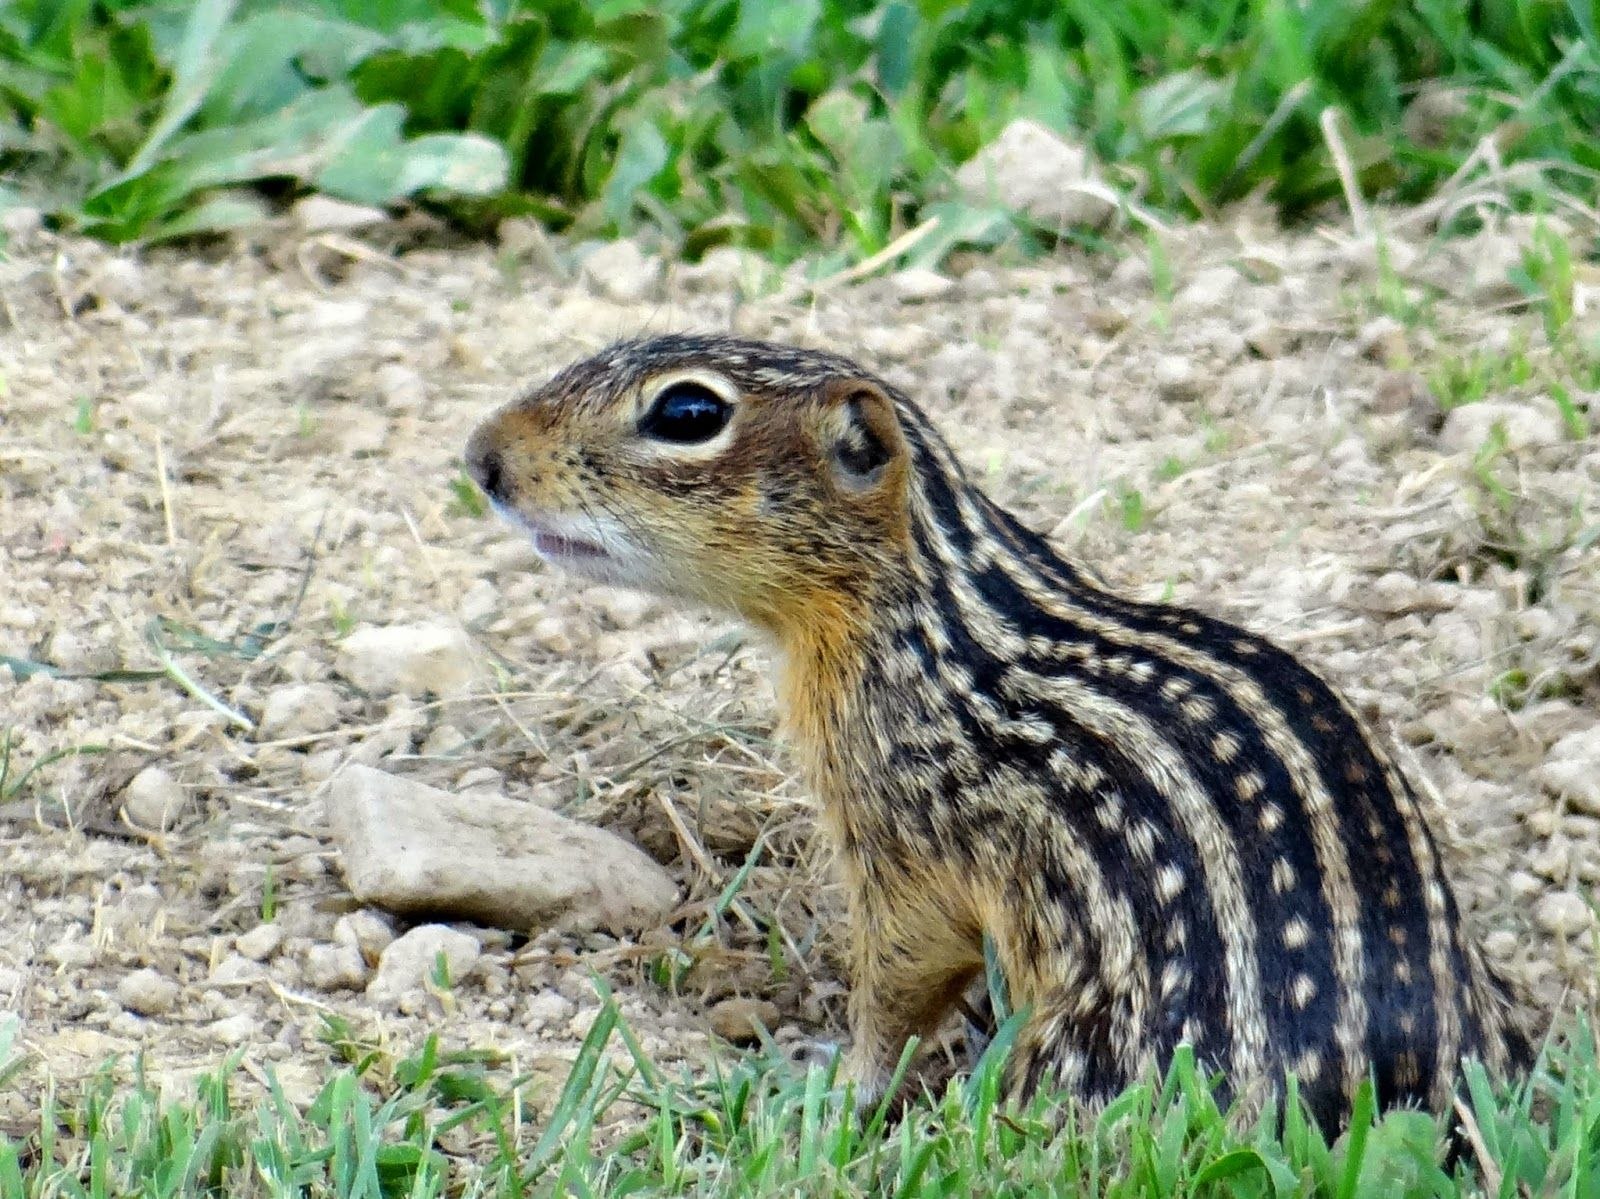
1172 830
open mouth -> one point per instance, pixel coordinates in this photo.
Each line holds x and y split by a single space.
558 547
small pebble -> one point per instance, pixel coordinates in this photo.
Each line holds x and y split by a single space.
260 943
335 968
409 962
147 992
1563 914
153 799
736 1019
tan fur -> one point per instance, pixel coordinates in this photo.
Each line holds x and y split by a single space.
1169 828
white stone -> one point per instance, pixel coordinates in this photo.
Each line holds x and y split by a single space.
728 268
1563 913
1526 423
1270 339
1577 782
1394 593
234 969
298 710
409 847
1211 290
241 1028
121 281
153 799
260 943
400 387
547 1009
1176 379
622 271
21 222
335 967
738 1019
369 931
1031 169
412 659
323 214
410 962
1572 769
324 315
1580 746
623 608
147 992
918 285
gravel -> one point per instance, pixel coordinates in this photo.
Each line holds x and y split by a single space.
263 481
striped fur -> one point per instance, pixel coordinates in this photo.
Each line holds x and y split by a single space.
1174 831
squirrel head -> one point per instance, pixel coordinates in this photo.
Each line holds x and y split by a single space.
759 479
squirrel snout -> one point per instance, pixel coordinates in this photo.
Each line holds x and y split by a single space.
487 468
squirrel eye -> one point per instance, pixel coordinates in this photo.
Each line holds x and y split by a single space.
686 413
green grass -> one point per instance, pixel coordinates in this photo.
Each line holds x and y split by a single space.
434 1123
780 126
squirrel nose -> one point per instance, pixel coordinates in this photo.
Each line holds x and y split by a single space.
487 469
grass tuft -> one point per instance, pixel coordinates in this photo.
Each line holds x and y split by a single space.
437 1123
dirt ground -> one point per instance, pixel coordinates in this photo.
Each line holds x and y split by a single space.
215 465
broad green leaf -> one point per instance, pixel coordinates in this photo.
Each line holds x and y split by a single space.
641 157
193 71
764 29
462 164
1179 105
217 213
564 68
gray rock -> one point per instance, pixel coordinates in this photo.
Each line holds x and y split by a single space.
1031 169
147 992
1176 379
410 962
738 1019
1577 782
21 222
153 799
408 847
1562 913
918 284
1572 769
1268 339
336 967
728 268
322 214
412 659
400 387
1211 290
299 710
260 943
621 606
622 272
370 932
234 969
241 1028
547 1009
1527 424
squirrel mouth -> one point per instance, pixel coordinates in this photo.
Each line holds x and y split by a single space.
555 547
562 547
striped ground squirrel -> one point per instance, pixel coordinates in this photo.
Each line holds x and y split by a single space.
1172 830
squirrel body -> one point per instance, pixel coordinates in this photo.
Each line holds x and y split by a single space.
1173 830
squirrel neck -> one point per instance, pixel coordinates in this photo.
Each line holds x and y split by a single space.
861 675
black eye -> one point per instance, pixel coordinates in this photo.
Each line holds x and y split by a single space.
686 413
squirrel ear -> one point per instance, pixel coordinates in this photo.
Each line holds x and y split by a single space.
867 436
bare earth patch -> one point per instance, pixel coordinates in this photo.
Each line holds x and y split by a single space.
216 469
